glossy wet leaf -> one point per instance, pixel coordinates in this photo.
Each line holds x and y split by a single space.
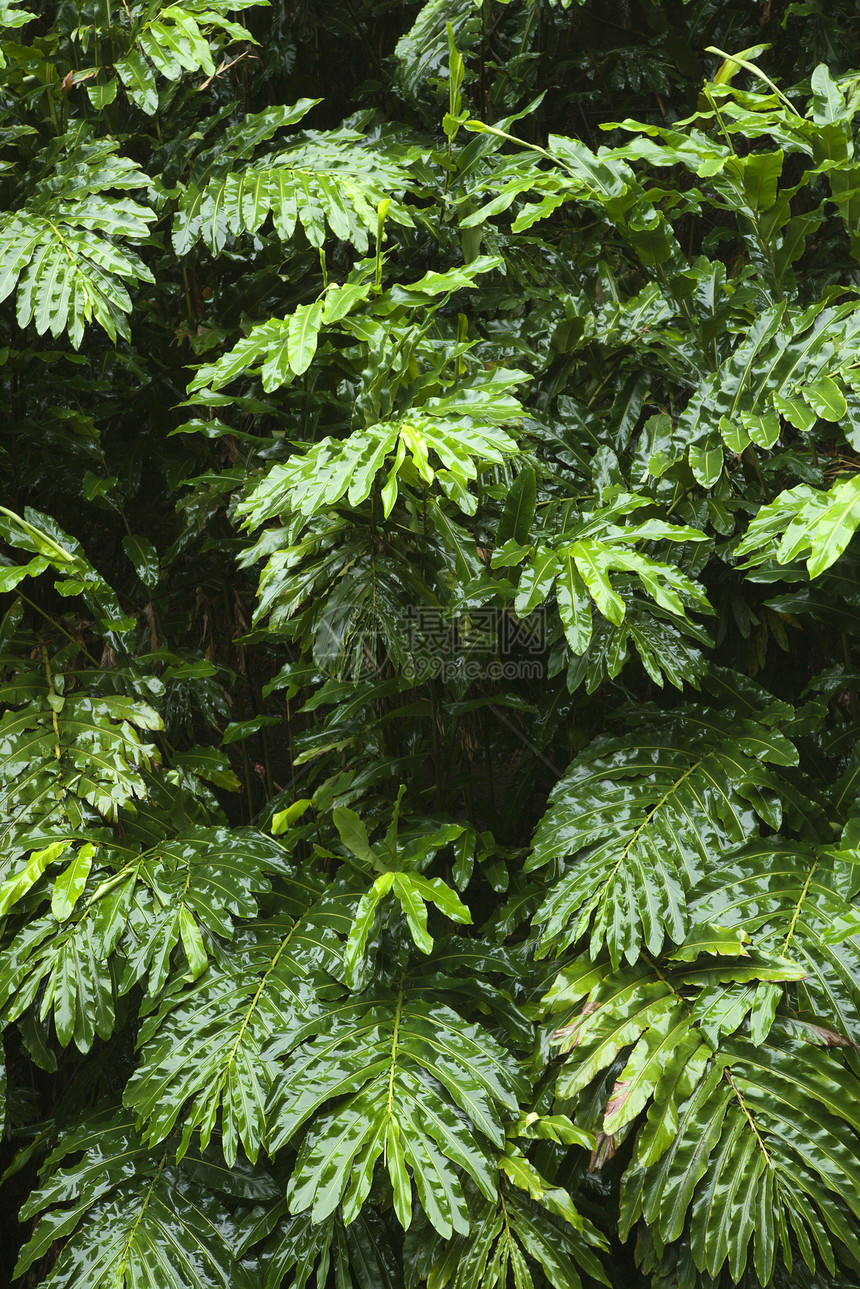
143 556
429 766
394 1066
518 513
132 1214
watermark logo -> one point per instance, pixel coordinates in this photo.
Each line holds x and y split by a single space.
432 643
487 643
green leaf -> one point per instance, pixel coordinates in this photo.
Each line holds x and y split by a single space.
353 834
129 1211
630 812
760 173
337 1078
356 944
518 513
210 764
826 399
573 604
143 556
325 181
15 888
341 300
821 522
795 411
434 891
828 103
763 430
136 75
302 336
735 435
15 573
706 461
102 95
377 1056
591 561
69 886
70 250
400 1180
536 581
415 911
192 943
236 731
282 820
835 526
208 1048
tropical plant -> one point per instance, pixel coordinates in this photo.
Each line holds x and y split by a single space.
429 737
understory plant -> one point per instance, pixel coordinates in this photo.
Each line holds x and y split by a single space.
429 719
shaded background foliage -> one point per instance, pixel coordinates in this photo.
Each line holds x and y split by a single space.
165 717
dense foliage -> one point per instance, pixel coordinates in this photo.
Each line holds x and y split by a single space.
429 749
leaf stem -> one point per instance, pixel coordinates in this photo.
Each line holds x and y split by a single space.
254 1001
56 624
398 1013
54 721
797 908
750 1120
120 1278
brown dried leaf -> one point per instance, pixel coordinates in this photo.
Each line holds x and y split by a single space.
830 1038
568 1031
618 1099
603 1152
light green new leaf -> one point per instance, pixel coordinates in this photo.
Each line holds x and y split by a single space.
303 334
592 560
284 819
414 892
16 887
359 932
341 300
353 834
69 886
12 574
415 911
434 891
835 526
822 523
450 429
